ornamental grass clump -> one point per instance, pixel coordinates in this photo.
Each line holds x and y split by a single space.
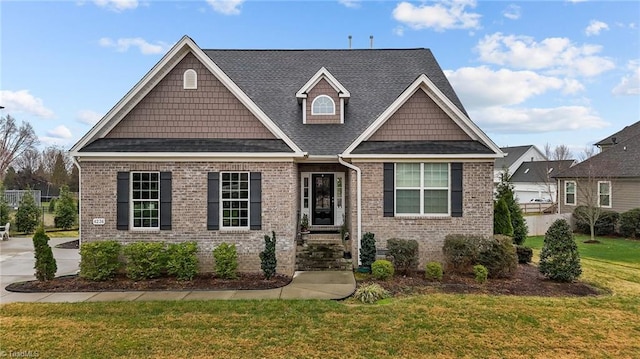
371 293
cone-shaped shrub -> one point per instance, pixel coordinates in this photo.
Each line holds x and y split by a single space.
46 266
368 249
559 258
502 219
268 261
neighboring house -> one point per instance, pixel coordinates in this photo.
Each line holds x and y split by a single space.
514 157
228 145
610 179
534 182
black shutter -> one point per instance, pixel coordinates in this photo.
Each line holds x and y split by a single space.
456 189
255 201
388 183
122 211
165 201
213 201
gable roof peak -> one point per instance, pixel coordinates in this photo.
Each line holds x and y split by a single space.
323 73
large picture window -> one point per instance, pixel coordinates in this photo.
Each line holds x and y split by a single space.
145 197
570 193
234 193
604 194
422 189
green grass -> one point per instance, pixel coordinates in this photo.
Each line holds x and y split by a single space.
618 250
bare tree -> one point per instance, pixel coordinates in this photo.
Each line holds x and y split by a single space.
587 153
15 141
594 192
560 152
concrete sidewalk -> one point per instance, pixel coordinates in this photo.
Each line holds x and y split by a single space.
17 261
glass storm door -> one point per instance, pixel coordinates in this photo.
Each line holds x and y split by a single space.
322 200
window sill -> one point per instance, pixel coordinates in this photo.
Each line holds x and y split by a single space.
144 230
436 217
234 231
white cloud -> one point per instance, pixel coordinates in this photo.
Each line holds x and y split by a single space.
117 5
556 55
226 7
23 101
629 85
512 12
89 117
354 4
398 30
595 27
146 48
61 132
480 87
537 120
443 15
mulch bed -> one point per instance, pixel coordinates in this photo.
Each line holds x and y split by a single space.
69 245
526 282
74 283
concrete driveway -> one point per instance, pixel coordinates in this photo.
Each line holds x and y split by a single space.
17 261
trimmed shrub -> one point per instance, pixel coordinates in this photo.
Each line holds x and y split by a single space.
525 254
502 218
481 273
461 251
559 258
499 257
371 293
182 260
433 272
52 205
65 210
226 261
404 253
520 229
268 261
145 260
605 224
99 260
46 266
630 223
368 249
28 214
382 269
4 207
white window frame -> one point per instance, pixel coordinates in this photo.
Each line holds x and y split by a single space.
132 202
186 84
313 112
607 194
223 200
421 188
575 193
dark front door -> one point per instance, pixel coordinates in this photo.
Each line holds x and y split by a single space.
322 199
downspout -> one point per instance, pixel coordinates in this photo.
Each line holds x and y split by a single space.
558 197
77 164
358 200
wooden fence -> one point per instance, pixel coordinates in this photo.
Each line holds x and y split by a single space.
538 207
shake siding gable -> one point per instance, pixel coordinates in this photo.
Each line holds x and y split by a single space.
323 88
170 111
419 119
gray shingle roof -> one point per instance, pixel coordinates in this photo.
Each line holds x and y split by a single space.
536 171
622 135
513 153
422 147
185 145
375 78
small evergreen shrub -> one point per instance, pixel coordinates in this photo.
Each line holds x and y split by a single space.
182 260
433 271
268 261
461 251
559 258
630 223
28 215
99 260
145 260
45 266
226 261
368 249
404 253
65 210
525 254
481 273
605 224
520 229
371 293
382 269
4 208
499 257
502 218
52 205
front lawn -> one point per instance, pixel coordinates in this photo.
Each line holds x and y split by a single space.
609 249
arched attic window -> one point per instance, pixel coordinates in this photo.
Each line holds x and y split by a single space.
190 79
323 105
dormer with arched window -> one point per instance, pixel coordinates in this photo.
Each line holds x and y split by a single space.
323 99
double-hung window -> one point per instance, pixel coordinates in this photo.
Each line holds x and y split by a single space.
422 189
234 193
604 194
145 197
570 193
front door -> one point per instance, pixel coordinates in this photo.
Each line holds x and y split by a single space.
322 199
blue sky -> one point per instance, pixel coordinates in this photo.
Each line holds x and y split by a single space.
535 72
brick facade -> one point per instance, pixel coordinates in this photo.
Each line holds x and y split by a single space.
170 111
419 119
477 215
189 209
323 88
